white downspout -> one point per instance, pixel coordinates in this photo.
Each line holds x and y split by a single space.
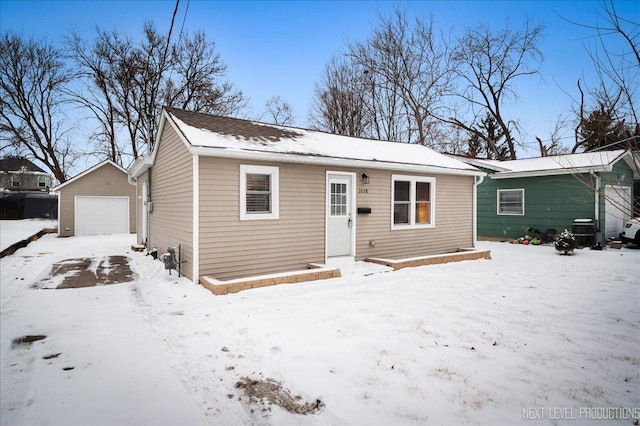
476 182
596 194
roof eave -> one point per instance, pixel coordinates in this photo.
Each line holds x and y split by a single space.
480 163
633 161
556 172
139 166
86 172
242 154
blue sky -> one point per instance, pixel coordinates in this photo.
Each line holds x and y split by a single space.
281 47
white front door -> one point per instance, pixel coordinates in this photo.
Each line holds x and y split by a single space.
340 220
617 209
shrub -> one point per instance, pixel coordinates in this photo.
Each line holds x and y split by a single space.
566 242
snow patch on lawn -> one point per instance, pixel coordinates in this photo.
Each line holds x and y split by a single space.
13 231
478 342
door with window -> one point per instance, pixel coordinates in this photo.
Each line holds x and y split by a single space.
340 224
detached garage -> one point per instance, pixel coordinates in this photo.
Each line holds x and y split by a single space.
98 201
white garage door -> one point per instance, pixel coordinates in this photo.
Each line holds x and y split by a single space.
101 215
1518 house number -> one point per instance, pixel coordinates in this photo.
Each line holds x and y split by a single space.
363 191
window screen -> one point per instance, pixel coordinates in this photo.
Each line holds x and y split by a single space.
258 193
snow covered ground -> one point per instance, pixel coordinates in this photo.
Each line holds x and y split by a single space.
530 337
13 231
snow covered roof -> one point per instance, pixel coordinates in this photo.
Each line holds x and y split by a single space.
210 135
601 161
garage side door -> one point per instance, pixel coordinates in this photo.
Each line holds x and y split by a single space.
617 209
101 215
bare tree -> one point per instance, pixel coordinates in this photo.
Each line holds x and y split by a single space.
196 79
389 86
33 78
338 105
485 130
488 63
99 97
614 94
126 83
554 147
278 111
407 66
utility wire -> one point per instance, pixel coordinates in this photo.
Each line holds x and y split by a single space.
184 20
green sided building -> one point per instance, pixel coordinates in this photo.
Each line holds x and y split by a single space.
589 192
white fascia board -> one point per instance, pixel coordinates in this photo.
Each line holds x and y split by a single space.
164 119
479 163
20 172
142 164
139 166
326 161
541 173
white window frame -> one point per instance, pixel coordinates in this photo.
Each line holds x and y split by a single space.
500 191
15 181
274 184
42 184
412 201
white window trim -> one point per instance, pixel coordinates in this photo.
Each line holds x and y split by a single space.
412 201
44 181
500 191
274 182
15 179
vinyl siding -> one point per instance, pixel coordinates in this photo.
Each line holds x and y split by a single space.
106 180
551 202
171 191
231 248
28 181
453 219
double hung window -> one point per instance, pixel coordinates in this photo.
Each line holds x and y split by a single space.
413 202
259 193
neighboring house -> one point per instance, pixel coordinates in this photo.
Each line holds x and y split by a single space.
551 192
100 200
20 174
24 189
245 198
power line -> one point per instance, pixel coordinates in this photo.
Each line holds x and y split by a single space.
173 18
184 19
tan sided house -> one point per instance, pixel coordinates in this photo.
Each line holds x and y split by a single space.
244 198
100 200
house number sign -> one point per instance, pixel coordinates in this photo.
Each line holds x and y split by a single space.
363 190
